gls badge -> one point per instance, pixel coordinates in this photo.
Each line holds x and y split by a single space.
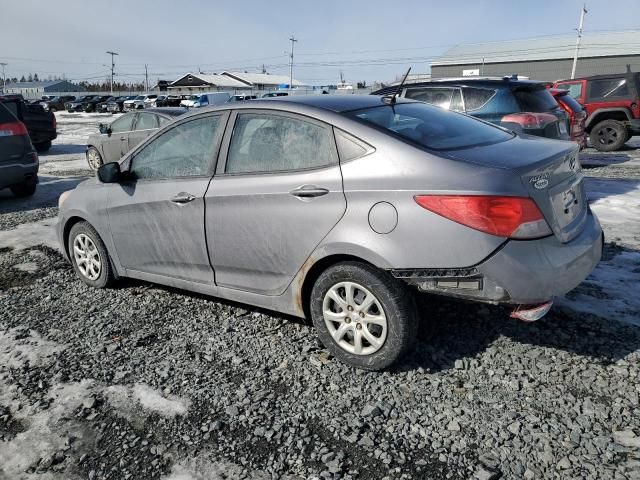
540 181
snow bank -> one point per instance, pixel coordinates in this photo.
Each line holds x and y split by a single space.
126 401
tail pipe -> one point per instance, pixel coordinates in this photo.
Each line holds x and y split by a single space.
531 313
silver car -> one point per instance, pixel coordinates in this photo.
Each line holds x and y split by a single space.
117 138
337 208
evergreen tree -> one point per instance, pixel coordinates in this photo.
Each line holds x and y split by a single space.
35 77
30 79
22 79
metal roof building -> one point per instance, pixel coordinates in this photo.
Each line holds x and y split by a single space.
544 58
231 81
36 89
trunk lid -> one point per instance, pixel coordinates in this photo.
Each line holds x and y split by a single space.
550 173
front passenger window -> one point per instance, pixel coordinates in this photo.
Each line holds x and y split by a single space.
146 121
123 124
184 151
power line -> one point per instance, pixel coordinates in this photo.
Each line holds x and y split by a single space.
112 67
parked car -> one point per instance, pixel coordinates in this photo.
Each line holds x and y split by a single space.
101 106
577 116
390 194
158 101
78 104
524 106
40 124
149 101
613 107
188 100
275 94
168 101
206 99
57 103
129 104
241 98
117 105
18 159
92 105
117 138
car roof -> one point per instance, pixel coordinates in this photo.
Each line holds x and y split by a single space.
484 81
167 111
335 103
600 77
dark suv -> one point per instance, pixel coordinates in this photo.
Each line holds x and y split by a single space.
18 158
523 106
613 107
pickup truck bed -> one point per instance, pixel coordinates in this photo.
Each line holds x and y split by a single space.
40 124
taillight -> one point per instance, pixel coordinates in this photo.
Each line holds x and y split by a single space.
13 128
512 217
529 120
55 122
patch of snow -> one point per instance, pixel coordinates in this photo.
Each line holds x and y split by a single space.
202 467
42 232
29 267
16 351
126 401
151 399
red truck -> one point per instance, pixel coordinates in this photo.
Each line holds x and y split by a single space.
613 107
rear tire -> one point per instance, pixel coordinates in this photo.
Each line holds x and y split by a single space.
608 136
89 256
43 146
25 189
94 159
372 337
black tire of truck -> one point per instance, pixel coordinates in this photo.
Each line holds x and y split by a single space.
608 136
43 146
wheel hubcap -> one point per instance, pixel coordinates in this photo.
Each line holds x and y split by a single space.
355 318
94 159
87 257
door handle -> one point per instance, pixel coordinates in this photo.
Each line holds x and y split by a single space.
183 198
123 138
309 191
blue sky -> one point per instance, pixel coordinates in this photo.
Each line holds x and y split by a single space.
366 40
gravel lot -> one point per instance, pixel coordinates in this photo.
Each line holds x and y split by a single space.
142 382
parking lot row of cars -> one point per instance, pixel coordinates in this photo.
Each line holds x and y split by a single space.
115 104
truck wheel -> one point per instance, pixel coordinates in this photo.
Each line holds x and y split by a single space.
94 159
89 256
42 146
364 316
608 135
25 189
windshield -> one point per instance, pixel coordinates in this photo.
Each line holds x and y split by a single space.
140 97
430 126
535 100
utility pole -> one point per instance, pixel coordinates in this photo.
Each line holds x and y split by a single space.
293 41
113 65
4 79
146 79
575 55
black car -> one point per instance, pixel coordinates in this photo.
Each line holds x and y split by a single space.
57 103
93 104
78 104
101 106
18 159
524 106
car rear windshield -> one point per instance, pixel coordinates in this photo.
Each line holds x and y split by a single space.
5 115
431 127
535 99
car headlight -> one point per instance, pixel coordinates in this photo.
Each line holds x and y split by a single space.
63 197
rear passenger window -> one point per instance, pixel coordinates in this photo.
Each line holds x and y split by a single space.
447 98
271 143
164 121
146 121
608 88
575 89
476 98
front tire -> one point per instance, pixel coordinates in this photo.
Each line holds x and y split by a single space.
608 136
89 256
94 159
364 316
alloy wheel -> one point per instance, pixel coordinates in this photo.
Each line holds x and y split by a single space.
607 135
87 257
355 318
93 156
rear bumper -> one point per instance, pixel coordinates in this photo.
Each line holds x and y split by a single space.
520 272
14 173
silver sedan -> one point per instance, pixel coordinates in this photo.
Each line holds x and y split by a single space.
339 208
124 133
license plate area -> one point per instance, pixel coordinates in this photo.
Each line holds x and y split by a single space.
568 200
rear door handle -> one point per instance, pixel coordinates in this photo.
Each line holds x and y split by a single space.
309 191
183 198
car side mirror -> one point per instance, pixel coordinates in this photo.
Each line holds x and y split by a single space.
109 172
